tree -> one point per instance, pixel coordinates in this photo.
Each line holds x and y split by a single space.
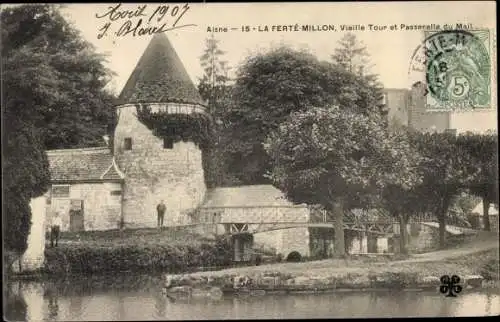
403 198
336 158
464 203
482 168
57 74
443 173
52 97
213 85
353 56
272 85
216 91
25 174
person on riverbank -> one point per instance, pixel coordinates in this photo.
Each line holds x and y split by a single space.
161 208
55 229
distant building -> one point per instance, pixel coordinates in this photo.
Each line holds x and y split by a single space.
396 101
477 212
408 107
420 118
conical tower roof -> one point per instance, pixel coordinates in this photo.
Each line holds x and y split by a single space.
160 77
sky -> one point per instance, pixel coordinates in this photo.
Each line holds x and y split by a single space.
391 50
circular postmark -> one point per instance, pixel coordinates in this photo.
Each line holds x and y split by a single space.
456 65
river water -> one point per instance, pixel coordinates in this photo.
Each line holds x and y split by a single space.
140 298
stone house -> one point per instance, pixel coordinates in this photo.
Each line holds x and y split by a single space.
101 189
86 189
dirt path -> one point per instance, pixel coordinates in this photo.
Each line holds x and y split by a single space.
436 262
474 247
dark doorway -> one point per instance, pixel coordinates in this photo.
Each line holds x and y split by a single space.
76 222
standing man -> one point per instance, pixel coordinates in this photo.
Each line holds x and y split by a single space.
55 229
161 208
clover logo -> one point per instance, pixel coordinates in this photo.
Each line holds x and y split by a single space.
450 285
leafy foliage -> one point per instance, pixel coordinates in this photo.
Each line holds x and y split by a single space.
352 56
25 174
54 78
444 173
136 258
270 87
193 127
214 89
403 199
213 84
330 156
326 153
52 97
481 151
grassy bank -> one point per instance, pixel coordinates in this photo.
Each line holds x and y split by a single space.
339 275
418 272
169 249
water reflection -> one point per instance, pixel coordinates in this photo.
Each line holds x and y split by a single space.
15 303
140 298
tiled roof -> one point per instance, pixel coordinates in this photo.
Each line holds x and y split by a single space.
159 77
89 164
246 196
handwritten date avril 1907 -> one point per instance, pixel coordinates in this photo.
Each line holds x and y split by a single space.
138 23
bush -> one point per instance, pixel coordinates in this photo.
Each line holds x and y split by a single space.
93 259
294 257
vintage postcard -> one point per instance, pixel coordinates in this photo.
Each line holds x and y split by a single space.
193 161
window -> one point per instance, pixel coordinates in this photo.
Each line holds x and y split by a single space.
128 143
60 191
168 143
116 193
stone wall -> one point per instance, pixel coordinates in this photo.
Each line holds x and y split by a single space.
421 238
478 120
284 241
420 118
153 173
397 104
101 208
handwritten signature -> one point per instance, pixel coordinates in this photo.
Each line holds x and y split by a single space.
138 23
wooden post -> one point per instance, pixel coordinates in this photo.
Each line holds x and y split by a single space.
236 245
402 234
338 212
486 214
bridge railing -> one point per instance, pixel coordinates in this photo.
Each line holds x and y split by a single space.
252 214
303 214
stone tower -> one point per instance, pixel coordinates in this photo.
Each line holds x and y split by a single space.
158 168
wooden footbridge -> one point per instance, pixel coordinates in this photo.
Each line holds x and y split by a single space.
237 220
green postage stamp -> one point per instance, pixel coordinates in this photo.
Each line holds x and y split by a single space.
458 69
